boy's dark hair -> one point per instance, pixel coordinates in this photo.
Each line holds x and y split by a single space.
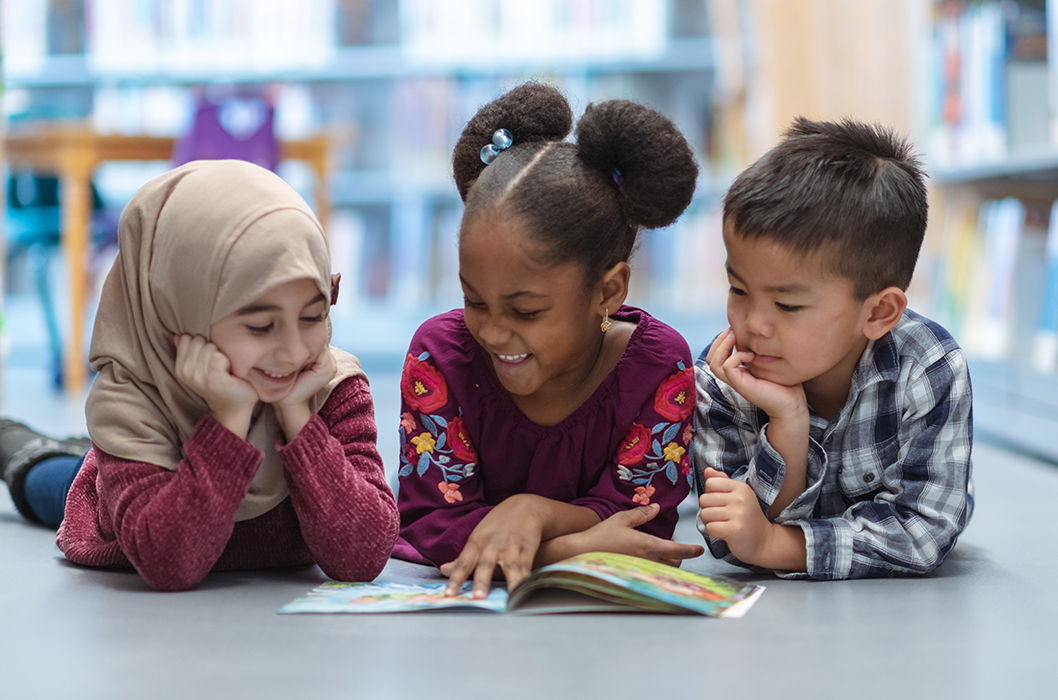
629 169
851 191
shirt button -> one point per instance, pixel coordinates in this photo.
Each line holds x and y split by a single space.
868 477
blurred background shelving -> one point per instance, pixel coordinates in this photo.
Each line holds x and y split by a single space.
391 85
974 83
992 89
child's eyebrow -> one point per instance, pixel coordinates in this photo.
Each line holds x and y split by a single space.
513 295
774 288
258 308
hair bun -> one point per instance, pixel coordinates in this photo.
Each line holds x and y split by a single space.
531 112
658 170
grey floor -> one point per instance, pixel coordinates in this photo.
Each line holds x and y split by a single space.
983 625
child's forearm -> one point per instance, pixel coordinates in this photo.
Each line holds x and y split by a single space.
789 437
559 548
558 518
785 549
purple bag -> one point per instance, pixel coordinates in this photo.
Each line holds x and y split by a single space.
238 127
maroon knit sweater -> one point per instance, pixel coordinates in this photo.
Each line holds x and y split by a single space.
174 527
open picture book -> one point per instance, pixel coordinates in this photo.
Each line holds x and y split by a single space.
591 582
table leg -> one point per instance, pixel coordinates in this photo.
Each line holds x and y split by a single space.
76 172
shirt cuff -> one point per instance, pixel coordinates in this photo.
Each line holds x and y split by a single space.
309 444
829 546
802 507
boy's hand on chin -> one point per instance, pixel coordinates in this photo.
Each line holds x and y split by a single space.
728 364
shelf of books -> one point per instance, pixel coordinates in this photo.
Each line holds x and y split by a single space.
391 83
994 156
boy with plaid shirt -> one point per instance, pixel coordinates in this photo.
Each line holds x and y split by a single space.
833 426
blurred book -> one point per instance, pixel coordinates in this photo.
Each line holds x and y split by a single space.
1045 347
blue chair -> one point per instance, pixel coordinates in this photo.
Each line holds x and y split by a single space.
33 225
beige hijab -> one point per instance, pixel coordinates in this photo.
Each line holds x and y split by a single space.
196 244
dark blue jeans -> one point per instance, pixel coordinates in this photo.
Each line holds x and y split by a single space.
46 487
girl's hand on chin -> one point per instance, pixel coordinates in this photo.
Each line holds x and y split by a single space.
310 380
205 370
292 411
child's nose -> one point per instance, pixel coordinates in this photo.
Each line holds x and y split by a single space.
757 321
292 349
493 332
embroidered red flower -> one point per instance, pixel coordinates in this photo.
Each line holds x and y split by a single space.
634 446
685 465
643 494
450 491
422 386
459 441
674 399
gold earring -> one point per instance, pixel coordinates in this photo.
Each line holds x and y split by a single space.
605 325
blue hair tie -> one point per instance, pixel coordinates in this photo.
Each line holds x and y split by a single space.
501 141
617 178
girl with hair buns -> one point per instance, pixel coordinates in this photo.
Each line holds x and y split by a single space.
546 418
226 432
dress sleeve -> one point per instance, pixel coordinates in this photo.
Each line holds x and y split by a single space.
923 500
337 486
441 497
652 463
174 525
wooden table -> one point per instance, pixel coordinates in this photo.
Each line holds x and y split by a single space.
73 152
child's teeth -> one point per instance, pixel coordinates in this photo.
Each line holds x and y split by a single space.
514 358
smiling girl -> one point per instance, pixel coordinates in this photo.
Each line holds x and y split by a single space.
546 418
226 432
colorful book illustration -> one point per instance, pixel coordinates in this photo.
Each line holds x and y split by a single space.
592 582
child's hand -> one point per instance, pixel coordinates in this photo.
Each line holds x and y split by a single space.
730 512
509 537
205 370
292 411
310 380
727 363
618 534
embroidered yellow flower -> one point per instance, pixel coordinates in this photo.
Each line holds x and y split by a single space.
673 452
423 443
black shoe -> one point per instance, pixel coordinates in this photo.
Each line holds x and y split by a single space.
21 448
13 435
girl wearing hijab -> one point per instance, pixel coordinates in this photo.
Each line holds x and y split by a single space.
226 433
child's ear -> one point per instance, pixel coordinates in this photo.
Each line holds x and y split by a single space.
336 279
614 286
885 310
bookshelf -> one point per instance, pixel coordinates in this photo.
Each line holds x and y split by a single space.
391 83
993 151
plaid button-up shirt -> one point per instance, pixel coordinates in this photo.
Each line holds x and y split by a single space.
888 480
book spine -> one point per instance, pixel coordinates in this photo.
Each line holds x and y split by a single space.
1045 348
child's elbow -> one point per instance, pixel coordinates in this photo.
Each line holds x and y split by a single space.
172 581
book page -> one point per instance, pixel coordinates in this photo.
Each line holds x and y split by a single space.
337 597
